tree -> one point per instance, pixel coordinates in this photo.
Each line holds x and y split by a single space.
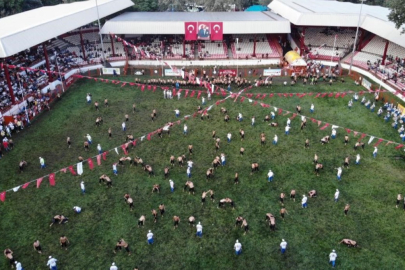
397 14
145 5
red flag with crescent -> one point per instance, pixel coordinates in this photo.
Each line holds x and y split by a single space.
190 30
217 31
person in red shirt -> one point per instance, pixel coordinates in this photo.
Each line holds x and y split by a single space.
5 145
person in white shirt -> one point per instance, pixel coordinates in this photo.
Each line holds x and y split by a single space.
287 130
358 159
337 195
88 98
238 247
185 129
52 263
171 185
88 138
375 152
190 163
312 108
229 137
275 139
333 133
164 94
100 151
203 100
304 201
332 258
283 246
339 173
199 230
273 115
288 121
178 95
82 187
177 112
253 121
223 159
270 176
77 209
18 265
113 267
124 128
240 117
189 172
149 236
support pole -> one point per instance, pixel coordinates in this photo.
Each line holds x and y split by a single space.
112 44
254 47
302 39
385 52
10 89
47 62
184 48
82 43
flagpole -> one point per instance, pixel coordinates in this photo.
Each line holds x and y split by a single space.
57 65
237 57
331 58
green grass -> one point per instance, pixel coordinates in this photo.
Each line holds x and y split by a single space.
370 188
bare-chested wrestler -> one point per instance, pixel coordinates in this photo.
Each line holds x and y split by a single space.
162 209
141 221
306 145
109 133
166 172
318 167
273 124
222 202
346 210
325 140
63 240
8 253
203 196
242 134
209 173
176 221
190 186
358 144
214 134
346 139
346 163
255 167
122 244
180 160
349 242
238 221
399 199
241 151
236 179
315 158
216 146
191 221
212 195
106 102
282 196
190 149
156 187
312 193
283 211
106 180
133 108
68 141
21 165
148 168
37 246
262 139
272 221
292 194
172 160
130 202
123 159
154 214
86 146
245 225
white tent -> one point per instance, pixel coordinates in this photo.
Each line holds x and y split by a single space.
24 30
333 13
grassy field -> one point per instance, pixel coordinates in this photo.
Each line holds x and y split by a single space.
311 233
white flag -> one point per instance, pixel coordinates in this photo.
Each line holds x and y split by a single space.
16 188
80 168
334 127
250 100
143 137
275 109
116 150
371 139
209 108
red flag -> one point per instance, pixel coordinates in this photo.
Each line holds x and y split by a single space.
319 123
337 95
378 142
280 111
399 146
25 185
263 97
174 92
199 94
124 149
148 137
263 105
192 94
105 155
250 95
242 99
362 136
72 171
324 94
254 103
303 95
310 94
317 95
186 93
355 133
63 170
190 31
52 179
39 180
348 130
134 143
293 116
195 114
3 196
122 85
330 95
271 95
361 92
98 160
343 95
285 95
258 95
325 126
143 88
154 88
313 120
216 31
388 143
90 162
217 103
149 87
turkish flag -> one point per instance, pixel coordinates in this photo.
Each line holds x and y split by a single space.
52 179
3 196
190 30
90 162
105 155
98 160
217 31
26 185
72 171
39 180
124 149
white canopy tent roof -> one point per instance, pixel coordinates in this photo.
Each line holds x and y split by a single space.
333 13
24 30
173 22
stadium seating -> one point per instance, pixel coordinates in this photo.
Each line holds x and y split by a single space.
264 47
216 50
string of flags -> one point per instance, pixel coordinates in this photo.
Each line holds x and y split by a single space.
281 111
79 166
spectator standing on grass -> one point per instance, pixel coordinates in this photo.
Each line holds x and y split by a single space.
337 195
77 209
100 151
375 152
185 128
229 137
199 230
113 266
275 139
89 138
237 247
304 201
332 258
82 187
42 162
52 263
283 246
358 159
124 127
18 266
171 185
312 108
177 112
149 237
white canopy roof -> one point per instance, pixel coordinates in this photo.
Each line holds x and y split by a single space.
333 13
173 22
24 30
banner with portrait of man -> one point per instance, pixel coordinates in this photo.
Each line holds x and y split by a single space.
204 30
